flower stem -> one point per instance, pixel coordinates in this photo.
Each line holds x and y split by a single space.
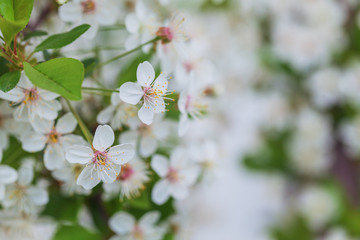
126 53
82 125
100 89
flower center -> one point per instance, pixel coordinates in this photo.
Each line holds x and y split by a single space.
126 172
165 34
188 66
137 233
173 175
100 158
53 136
88 6
31 95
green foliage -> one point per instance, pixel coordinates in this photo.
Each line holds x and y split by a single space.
61 75
15 15
34 34
89 65
9 80
297 229
61 40
75 232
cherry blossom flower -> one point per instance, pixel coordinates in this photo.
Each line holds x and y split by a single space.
118 113
7 175
126 227
177 176
92 12
31 101
129 182
55 137
153 92
102 162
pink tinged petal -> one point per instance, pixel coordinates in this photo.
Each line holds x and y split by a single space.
149 220
79 154
121 154
22 113
106 115
42 125
179 191
122 223
160 165
145 74
132 23
88 178
33 142
47 109
161 192
183 124
54 157
146 114
131 93
15 95
148 146
104 137
7 174
38 196
66 124
70 12
161 83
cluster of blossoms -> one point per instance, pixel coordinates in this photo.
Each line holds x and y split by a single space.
126 146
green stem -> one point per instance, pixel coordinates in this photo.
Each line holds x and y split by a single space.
126 53
111 28
82 125
99 89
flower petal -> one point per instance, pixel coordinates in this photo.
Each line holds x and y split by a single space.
160 165
131 92
106 115
148 145
149 219
47 109
122 223
121 154
179 191
104 137
70 12
161 84
38 196
183 124
33 142
146 114
145 74
66 124
87 178
132 23
54 157
14 95
7 174
161 192
42 125
79 154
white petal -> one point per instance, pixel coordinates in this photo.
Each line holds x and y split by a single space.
146 114
183 124
106 115
108 174
88 178
148 145
21 113
145 74
179 191
115 99
33 142
14 95
132 23
7 174
104 137
160 165
38 196
70 12
107 13
161 192
72 139
121 154
122 223
79 154
161 84
2 191
42 125
54 157
47 109
157 105
4 141
131 92
149 219
190 174
26 172
47 95
66 124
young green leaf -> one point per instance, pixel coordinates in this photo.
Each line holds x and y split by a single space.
34 34
9 80
15 15
60 75
75 232
62 39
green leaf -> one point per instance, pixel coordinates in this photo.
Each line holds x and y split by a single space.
34 34
9 80
75 232
89 65
15 15
62 39
60 75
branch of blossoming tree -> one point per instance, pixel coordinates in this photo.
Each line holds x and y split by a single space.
99 89
127 53
82 125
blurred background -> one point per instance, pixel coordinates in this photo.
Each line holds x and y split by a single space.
283 129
